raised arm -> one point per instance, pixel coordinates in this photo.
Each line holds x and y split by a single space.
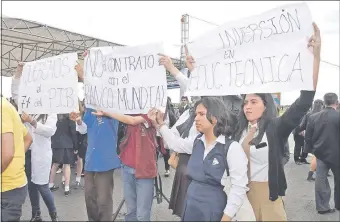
16 82
179 76
291 118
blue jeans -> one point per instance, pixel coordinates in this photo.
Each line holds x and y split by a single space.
11 204
138 195
46 194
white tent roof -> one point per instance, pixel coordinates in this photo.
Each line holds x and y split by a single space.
23 40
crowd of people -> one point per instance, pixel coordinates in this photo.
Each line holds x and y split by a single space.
229 154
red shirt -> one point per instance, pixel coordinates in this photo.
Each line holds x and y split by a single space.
138 149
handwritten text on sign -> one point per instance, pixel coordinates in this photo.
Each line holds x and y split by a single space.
49 86
126 80
264 54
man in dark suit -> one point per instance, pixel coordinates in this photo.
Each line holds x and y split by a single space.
322 139
184 105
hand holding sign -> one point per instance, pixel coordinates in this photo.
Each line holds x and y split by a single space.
74 116
189 60
152 115
80 71
160 117
26 118
315 41
166 62
20 67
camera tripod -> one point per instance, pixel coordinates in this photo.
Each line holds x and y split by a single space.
159 195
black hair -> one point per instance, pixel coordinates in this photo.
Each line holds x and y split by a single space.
185 97
317 106
224 120
42 118
232 107
330 99
269 113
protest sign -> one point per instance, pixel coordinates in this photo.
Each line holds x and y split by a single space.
49 86
126 80
261 54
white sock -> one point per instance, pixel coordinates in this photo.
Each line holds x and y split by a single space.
67 187
78 179
51 185
63 179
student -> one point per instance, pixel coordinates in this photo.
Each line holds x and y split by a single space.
180 138
39 157
265 151
137 149
101 160
139 166
210 163
38 166
15 141
64 142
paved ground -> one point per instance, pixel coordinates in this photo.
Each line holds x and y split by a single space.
299 201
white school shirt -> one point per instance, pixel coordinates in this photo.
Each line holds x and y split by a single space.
258 159
236 188
41 151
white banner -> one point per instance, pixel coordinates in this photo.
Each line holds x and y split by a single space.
261 54
126 80
49 86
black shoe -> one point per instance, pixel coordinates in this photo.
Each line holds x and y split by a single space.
54 216
304 161
36 217
310 176
54 188
298 162
327 211
66 193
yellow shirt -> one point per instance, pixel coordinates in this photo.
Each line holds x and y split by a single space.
14 176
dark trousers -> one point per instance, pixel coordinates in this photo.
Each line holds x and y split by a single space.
11 204
299 155
35 189
98 195
166 158
322 188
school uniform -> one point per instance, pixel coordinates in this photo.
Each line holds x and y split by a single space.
268 182
208 168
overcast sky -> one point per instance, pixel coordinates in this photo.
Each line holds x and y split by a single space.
134 23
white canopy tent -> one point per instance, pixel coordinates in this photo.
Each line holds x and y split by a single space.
23 40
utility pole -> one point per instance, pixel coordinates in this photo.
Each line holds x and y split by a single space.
184 41
184 37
